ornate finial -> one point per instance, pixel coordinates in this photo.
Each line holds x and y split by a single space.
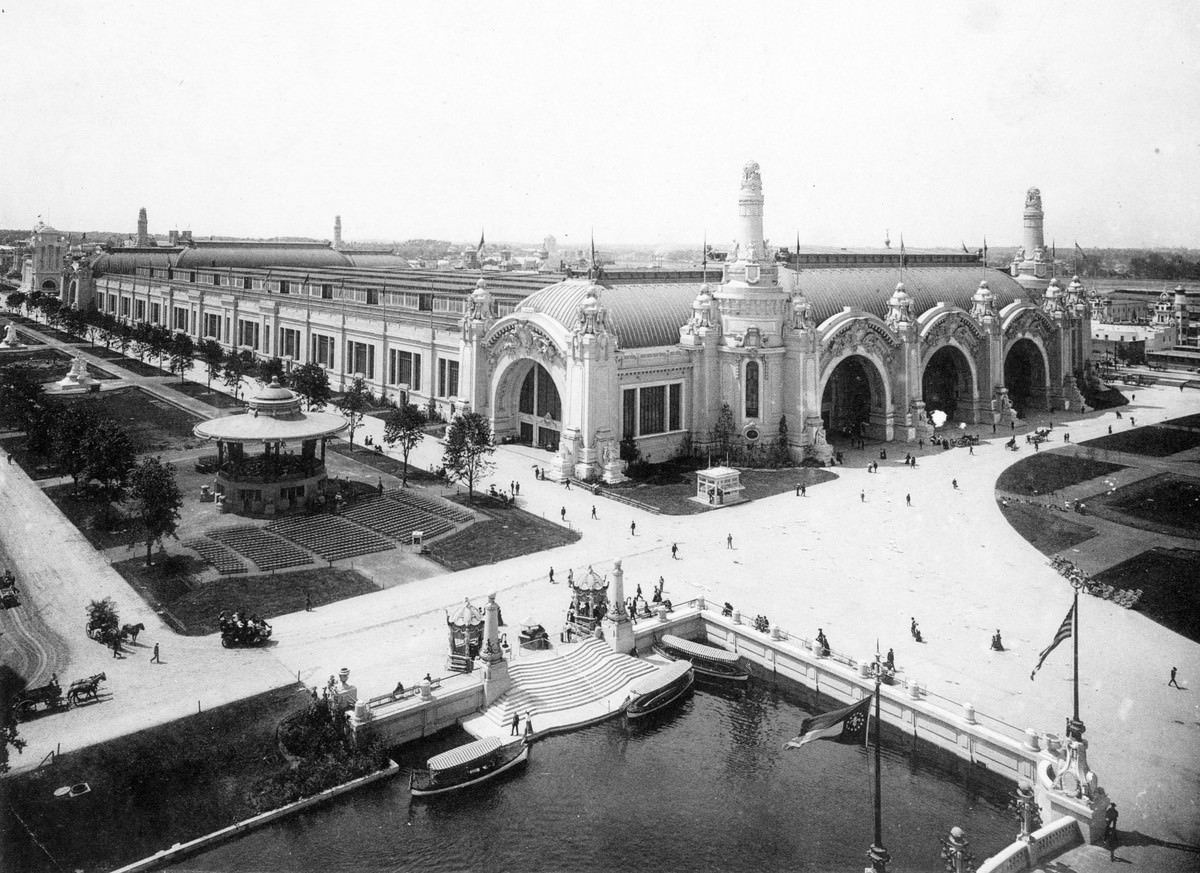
750 176
1033 199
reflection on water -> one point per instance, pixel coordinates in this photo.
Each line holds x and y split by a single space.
706 786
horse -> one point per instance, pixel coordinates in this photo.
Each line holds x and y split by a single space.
85 688
131 631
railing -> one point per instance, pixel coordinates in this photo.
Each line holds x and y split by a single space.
407 693
621 498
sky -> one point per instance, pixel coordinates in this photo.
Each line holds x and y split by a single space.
629 121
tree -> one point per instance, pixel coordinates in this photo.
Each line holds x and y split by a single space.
311 382
160 342
781 442
50 307
16 300
124 337
111 456
21 395
157 500
11 740
723 430
404 427
102 615
237 365
271 369
214 359
70 439
143 338
182 350
354 404
468 450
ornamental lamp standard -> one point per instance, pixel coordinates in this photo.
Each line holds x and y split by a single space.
1024 807
955 856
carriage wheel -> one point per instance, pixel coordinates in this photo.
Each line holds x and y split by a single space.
25 709
225 644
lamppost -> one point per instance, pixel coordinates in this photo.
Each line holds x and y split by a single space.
1025 808
954 854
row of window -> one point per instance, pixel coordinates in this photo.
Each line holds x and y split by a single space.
651 409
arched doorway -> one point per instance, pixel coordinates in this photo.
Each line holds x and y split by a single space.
852 391
1025 376
529 388
946 382
50 286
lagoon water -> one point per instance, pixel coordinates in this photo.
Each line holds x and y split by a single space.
706 787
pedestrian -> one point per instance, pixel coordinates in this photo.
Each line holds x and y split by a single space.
9 454
971 449
862 496
1013 424
797 489
563 512
1110 430
154 658
567 482
528 727
1135 397
1173 682
117 646
1066 437
803 490
307 602
512 487
552 582
593 512
674 551
1132 421
379 486
1036 447
869 470
1110 821
516 489
993 427
908 500
921 443
570 577
632 525
729 541
954 482
516 723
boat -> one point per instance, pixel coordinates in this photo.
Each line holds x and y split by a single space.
467 765
659 689
709 661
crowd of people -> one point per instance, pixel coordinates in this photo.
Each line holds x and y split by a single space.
243 627
1127 597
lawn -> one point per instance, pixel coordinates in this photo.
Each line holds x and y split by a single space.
671 486
1165 503
1046 472
1189 421
50 365
80 507
150 789
174 585
381 462
1047 530
154 425
1157 442
1167 577
504 533
204 394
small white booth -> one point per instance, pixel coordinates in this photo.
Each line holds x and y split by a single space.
719 486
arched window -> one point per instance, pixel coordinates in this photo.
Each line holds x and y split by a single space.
752 389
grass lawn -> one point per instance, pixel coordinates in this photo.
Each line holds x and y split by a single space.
80 508
381 462
1157 442
149 790
174 585
502 534
1047 530
1167 577
50 364
1191 421
154 425
672 486
204 394
1049 471
1165 503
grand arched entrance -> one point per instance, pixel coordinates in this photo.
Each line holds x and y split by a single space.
527 391
1025 376
853 391
946 383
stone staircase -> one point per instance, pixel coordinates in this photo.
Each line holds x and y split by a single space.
572 677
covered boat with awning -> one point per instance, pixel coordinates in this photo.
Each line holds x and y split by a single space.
466 765
708 660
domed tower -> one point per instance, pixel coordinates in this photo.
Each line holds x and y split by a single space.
1030 266
143 233
47 250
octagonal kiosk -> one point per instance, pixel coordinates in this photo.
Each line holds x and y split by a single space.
276 480
719 486
466 627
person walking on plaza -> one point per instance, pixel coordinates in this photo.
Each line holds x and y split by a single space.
552 576
307 602
674 551
516 723
1110 821
154 658
862 496
803 490
908 500
1173 682
516 489
954 482
593 512
729 541
116 646
571 577
632 528
563 514
797 489
528 726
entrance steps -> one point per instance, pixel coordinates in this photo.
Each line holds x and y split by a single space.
574 685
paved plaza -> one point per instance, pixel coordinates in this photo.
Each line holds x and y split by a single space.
851 557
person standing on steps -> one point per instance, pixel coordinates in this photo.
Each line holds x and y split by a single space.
516 723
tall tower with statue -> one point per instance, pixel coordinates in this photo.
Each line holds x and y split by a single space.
1032 265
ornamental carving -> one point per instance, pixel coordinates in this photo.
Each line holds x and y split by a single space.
1033 199
750 175
963 330
1032 321
863 336
523 340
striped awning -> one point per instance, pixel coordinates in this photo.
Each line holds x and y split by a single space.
699 650
660 678
464 754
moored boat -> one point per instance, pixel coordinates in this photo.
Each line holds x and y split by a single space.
707 660
659 689
467 765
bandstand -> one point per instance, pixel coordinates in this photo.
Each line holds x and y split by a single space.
275 481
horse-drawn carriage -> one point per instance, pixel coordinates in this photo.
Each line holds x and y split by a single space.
240 631
8 590
50 696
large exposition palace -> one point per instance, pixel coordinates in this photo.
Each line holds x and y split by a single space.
859 343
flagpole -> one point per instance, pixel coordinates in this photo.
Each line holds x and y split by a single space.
1075 640
877 854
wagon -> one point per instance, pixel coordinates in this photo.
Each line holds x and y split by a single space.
49 696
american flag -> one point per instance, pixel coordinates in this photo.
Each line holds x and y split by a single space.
1064 632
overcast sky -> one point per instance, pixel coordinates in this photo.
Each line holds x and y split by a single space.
434 120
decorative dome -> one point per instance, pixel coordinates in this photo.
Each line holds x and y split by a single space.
984 294
900 297
276 401
466 616
591 581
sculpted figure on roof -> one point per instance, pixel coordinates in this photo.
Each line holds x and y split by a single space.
750 176
1033 198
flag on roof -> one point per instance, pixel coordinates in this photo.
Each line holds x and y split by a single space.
1063 632
846 725
964 247
479 250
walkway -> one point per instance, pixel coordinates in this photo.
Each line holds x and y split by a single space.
857 569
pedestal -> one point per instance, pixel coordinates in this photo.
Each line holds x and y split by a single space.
619 633
496 681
